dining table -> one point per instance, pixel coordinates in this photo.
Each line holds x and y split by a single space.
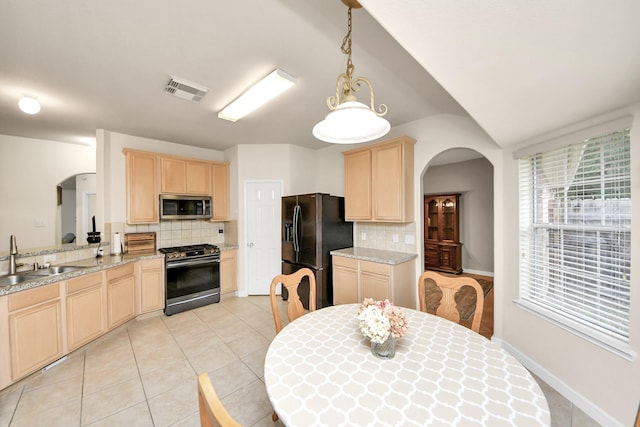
319 371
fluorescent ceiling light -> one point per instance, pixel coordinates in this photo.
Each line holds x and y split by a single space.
257 95
29 105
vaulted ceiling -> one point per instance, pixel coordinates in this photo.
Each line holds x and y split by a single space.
523 68
519 68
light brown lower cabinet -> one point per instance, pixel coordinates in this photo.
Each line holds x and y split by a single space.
355 280
40 325
121 295
228 272
151 283
86 309
35 329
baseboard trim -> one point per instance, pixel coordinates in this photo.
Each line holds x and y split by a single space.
478 272
561 387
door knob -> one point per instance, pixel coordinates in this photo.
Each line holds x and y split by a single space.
250 244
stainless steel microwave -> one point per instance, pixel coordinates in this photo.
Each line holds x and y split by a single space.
184 207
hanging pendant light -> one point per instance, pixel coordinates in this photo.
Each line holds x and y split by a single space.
350 121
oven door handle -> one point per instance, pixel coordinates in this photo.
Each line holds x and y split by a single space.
191 262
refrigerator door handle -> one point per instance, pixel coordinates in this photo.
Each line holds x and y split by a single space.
296 228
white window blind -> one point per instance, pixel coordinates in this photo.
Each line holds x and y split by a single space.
575 235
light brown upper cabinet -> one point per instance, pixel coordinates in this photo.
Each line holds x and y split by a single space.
142 191
151 174
220 191
182 176
379 181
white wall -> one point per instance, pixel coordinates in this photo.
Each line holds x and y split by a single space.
270 162
605 385
30 170
111 160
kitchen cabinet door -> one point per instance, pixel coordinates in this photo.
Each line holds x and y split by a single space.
121 295
357 183
220 191
388 184
345 280
228 272
345 285
184 176
379 182
141 188
198 178
375 281
86 305
173 175
35 329
151 281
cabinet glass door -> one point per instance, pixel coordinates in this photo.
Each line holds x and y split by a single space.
448 219
433 220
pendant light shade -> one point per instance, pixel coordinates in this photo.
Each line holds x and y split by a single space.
350 121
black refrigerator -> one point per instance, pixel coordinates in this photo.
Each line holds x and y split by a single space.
313 225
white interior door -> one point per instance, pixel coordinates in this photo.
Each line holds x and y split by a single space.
263 218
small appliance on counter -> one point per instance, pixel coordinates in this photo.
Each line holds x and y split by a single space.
93 236
139 242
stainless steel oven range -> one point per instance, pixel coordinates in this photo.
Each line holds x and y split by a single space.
192 277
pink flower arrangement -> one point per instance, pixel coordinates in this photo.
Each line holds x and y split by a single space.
378 319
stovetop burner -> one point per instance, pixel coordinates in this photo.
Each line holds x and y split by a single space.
190 251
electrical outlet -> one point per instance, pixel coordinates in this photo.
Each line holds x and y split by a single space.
409 239
395 237
49 258
363 236
38 223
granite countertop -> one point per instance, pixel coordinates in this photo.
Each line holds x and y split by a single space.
375 255
90 265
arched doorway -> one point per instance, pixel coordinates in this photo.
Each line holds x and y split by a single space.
467 175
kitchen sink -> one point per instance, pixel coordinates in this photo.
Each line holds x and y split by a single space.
14 279
58 269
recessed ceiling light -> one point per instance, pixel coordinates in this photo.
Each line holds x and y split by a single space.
29 104
257 95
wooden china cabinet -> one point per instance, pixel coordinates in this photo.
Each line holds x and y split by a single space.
442 247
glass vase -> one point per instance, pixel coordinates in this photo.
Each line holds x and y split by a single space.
385 350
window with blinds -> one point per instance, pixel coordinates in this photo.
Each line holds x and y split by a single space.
575 236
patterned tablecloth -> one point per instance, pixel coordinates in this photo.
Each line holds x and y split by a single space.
319 371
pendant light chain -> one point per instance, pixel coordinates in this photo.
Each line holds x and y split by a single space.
351 121
346 47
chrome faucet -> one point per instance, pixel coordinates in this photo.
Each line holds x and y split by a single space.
13 252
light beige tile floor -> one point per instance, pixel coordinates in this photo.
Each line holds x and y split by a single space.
144 374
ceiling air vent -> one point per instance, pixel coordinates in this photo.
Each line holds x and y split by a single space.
185 89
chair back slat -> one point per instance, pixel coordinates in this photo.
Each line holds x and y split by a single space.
291 282
449 286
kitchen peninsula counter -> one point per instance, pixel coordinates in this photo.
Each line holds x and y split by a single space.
90 265
375 255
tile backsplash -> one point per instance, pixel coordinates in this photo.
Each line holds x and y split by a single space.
178 233
386 236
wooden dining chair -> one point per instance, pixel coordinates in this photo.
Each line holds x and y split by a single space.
212 413
449 286
294 305
637 424
295 308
